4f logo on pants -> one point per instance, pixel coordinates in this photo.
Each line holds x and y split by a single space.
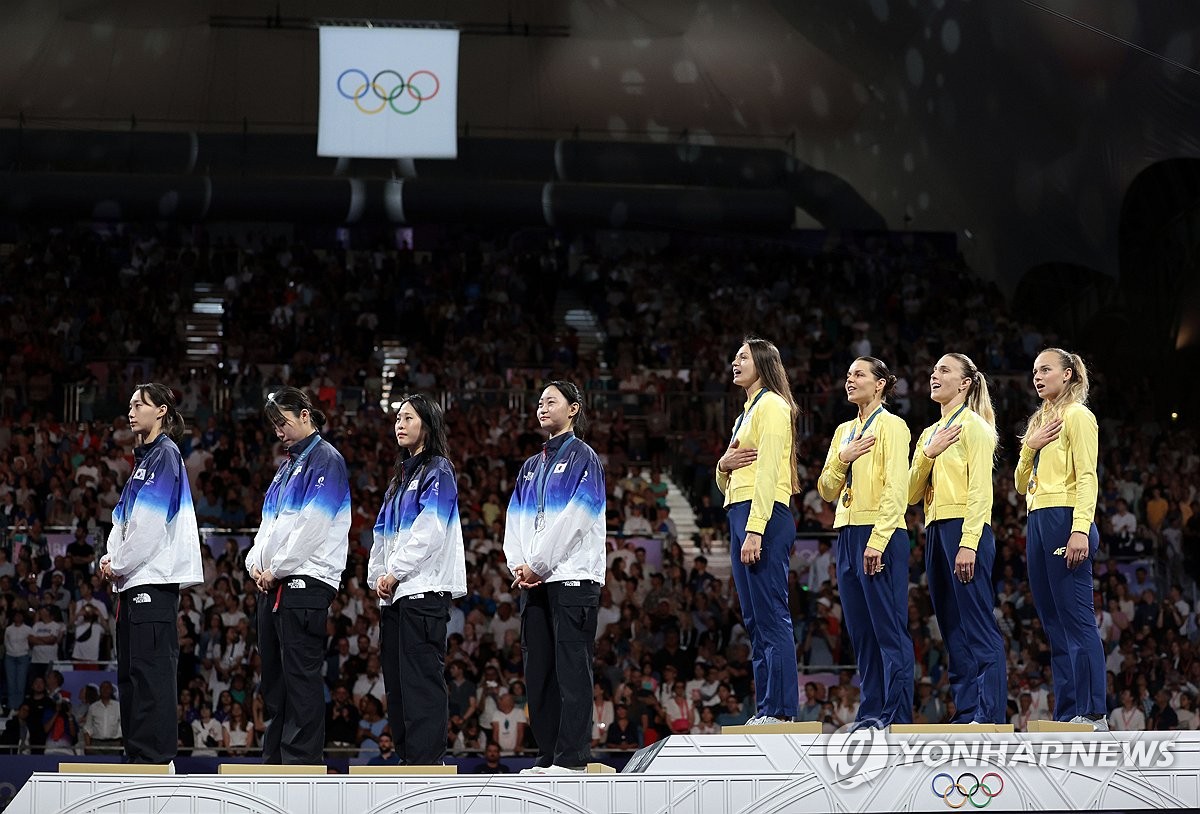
141 599
1060 552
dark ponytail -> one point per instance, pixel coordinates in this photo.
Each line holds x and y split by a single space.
162 396
579 424
292 400
879 371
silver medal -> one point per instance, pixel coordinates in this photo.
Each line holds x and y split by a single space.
539 522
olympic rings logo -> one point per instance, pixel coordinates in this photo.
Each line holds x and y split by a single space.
388 88
957 793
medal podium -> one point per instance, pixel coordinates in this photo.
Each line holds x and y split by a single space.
746 773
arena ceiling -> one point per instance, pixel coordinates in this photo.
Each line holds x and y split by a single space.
1017 124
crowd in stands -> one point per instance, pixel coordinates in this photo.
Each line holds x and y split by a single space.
479 327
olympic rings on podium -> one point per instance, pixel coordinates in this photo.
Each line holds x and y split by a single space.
958 793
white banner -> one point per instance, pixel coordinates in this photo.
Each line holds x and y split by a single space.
388 93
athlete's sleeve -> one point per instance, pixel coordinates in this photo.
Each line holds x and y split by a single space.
326 492
155 504
1024 470
1084 435
771 421
723 479
380 537
514 545
919 471
833 473
981 449
894 494
437 501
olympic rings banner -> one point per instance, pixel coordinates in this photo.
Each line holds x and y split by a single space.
388 93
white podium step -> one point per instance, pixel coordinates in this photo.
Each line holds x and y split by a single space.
710 774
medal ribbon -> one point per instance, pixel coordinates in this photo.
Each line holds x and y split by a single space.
544 474
929 440
851 437
737 425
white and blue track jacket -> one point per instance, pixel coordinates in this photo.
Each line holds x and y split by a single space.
566 482
305 516
418 534
154 539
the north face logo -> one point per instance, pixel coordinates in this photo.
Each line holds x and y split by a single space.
296 583
141 599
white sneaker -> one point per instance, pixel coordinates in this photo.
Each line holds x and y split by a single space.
533 770
753 721
171 767
764 720
555 769
1097 725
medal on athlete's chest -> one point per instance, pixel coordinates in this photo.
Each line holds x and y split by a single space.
539 522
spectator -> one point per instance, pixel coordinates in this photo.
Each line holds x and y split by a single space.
504 620
15 738
387 753
810 706
341 720
370 682
623 733
470 739
16 659
1127 717
371 725
491 762
102 727
62 730
508 725
208 734
237 733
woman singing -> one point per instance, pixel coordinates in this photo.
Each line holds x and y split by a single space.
1057 474
866 476
417 566
951 474
153 551
554 545
297 560
757 474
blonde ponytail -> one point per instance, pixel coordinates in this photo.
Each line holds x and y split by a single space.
979 400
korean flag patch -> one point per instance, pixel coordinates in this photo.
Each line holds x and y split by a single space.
560 468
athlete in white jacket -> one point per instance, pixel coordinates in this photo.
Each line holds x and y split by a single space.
417 566
153 551
554 545
297 560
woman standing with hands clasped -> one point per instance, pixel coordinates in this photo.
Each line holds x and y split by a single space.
297 560
554 545
417 566
758 476
951 474
1057 474
866 477
153 551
